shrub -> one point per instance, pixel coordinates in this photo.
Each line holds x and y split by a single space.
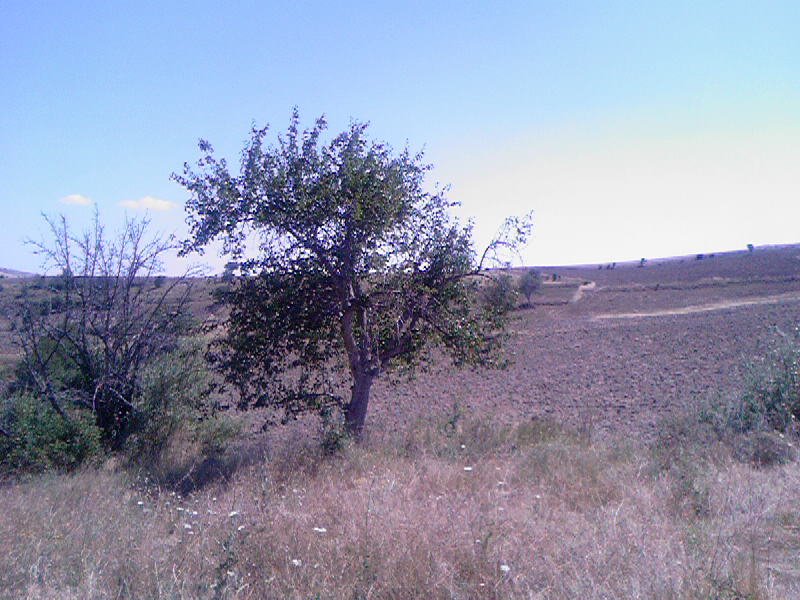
38 438
499 295
529 284
86 334
173 401
771 400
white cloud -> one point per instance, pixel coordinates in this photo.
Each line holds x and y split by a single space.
77 200
148 203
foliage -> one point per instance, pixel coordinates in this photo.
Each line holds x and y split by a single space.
771 398
530 283
359 270
500 295
174 399
86 333
36 438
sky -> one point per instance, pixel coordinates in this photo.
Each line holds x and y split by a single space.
631 129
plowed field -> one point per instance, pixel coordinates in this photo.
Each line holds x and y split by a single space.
640 343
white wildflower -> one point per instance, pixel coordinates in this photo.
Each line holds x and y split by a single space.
505 568
468 468
297 562
320 529
233 513
240 527
187 526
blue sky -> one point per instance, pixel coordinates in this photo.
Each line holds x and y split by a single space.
630 128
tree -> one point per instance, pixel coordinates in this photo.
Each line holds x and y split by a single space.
87 333
529 284
359 269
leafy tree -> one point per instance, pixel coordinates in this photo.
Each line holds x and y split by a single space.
230 271
529 283
359 269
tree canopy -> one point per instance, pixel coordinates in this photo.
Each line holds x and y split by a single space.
358 269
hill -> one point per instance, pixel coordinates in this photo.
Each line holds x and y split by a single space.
13 274
619 348
581 471
603 348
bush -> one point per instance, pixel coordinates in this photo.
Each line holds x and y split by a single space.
530 283
499 295
86 334
174 403
771 399
40 439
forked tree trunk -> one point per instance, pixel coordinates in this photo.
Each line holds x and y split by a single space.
356 411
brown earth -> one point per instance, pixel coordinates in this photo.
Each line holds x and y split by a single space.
639 344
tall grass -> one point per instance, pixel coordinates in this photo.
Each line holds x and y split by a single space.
466 511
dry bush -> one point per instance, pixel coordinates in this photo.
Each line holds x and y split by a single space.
480 512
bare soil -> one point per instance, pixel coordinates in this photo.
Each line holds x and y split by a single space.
610 350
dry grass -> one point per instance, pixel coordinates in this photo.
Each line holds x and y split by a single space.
530 512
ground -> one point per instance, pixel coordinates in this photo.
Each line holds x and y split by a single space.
604 349
618 349
462 489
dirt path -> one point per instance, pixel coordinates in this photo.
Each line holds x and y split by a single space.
699 308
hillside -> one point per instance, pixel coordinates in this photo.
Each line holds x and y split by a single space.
581 471
13 274
620 348
602 348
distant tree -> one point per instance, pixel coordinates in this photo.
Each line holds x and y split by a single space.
500 295
750 247
642 262
530 283
229 271
360 270
86 333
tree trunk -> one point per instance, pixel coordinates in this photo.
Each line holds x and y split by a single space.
356 412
